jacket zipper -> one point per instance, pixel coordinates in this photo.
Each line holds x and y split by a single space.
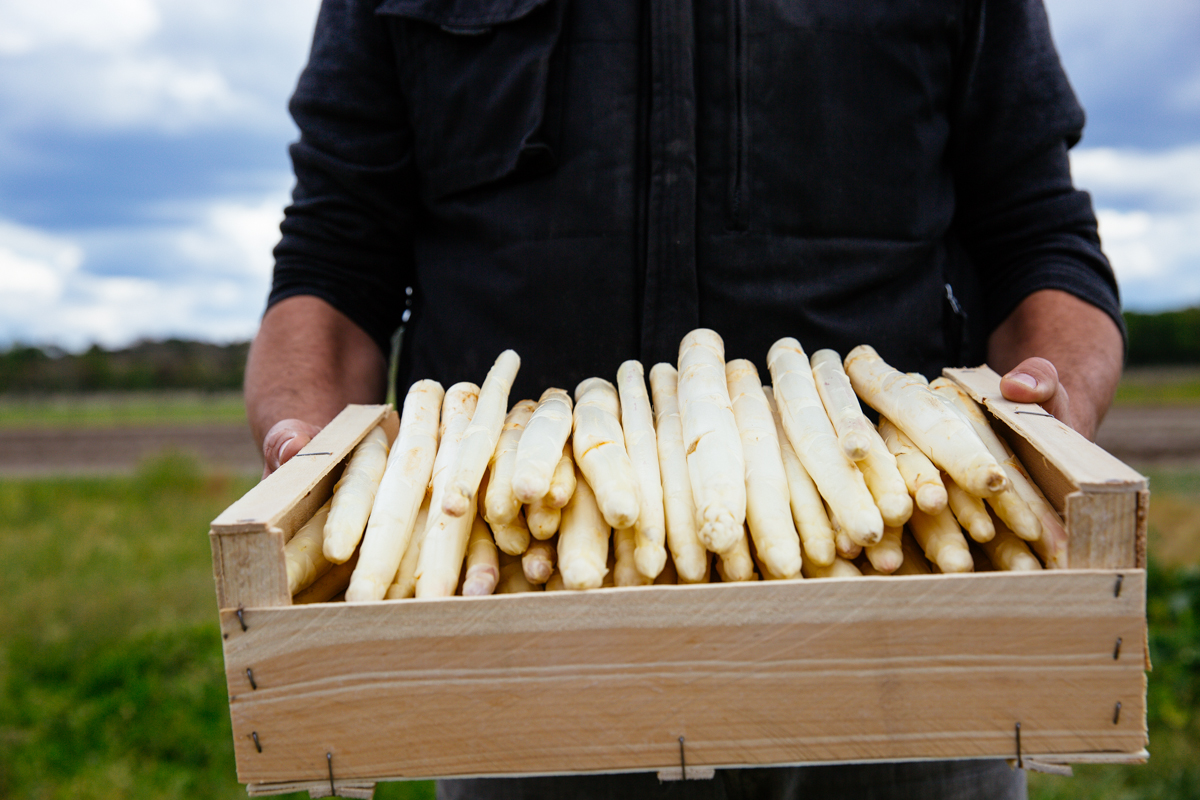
738 149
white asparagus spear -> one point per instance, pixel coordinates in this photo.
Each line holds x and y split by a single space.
941 434
970 511
440 561
479 439
637 422
768 510
1010 504
444 540
737 564
542 519
583 538
404 585
512 537
689 554
538 561
942 541
302 554
512 577
599 449
483 561
353 495
394 515
1007 551
562 483
885 482
716 467
501 504
329 585
541 446
840 568
853 429
921 476
887 555
846 547
808 511
915 562
625 571
809 430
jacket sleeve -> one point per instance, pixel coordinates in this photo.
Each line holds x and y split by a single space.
1022 222
347 233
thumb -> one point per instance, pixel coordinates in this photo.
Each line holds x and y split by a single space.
1035 380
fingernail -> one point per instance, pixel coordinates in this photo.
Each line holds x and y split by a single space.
1022 378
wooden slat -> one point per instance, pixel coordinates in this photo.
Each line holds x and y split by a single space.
249 569
770 673
1085 464
1103 528
267 504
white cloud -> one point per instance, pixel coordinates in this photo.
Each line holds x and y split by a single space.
93 25
211 282
1148 207
162 65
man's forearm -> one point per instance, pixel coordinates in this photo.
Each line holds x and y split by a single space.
1082 342
307 362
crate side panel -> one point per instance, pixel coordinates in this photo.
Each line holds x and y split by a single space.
1104 529
847 684
249 569
269 502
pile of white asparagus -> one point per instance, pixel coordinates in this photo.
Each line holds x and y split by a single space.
719 474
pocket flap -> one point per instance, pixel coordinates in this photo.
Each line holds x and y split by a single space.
460 16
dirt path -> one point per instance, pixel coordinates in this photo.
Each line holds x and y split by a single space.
1153 436
34 452
1141 436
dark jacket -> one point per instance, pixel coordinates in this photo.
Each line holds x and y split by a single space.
586 180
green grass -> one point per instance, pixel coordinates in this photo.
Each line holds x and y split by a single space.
111 678
120 409
1159 386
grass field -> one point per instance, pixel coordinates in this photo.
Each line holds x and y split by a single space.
111 680
120 409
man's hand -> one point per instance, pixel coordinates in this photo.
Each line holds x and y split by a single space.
306 363
286 438
1052 342
1035 380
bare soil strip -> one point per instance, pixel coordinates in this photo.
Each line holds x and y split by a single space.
1153 435
33 452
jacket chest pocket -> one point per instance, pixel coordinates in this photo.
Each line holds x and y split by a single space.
483 82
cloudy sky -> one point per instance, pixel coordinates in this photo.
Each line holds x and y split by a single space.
143 164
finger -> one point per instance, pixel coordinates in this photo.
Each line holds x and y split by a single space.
285 439
1035 380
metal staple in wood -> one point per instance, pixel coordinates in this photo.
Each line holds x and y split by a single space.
250 675
254 736
1117 713
1117 588
241 615
1020 758
682 762
329 761
1117 649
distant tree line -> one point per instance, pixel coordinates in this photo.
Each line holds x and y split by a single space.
1171 337
146 365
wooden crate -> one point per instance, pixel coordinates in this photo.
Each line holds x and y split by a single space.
1047 667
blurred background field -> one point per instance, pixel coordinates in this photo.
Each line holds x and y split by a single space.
111 676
